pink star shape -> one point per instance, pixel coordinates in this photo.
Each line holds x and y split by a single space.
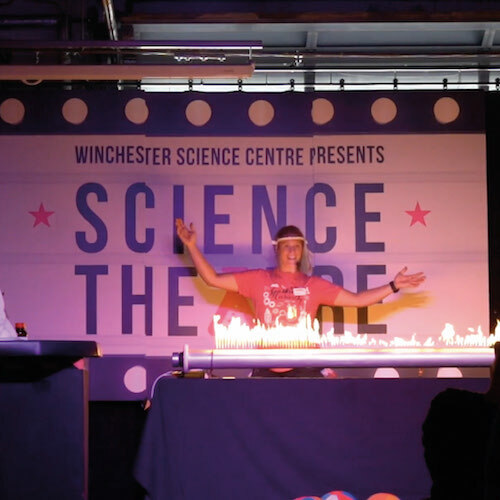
417 215
42 216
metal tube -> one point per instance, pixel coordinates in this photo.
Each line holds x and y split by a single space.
122 71
334 358
131 45
109 12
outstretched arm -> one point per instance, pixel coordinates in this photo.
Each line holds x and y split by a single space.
204 268
374 295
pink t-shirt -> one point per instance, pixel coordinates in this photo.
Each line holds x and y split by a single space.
284 297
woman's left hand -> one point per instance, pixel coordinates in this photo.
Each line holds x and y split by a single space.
403 280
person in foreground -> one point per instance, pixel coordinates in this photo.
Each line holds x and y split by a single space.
287 294
461 439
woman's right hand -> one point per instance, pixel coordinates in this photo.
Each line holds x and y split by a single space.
204 268
185 233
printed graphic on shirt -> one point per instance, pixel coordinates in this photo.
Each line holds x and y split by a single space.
284 305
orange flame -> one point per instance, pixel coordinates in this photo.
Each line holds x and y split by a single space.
306 334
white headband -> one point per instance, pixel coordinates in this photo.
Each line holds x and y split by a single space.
286 238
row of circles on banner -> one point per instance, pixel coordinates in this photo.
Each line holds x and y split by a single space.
135 378
261 112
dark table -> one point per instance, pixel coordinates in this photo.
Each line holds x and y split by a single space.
284 438
43 419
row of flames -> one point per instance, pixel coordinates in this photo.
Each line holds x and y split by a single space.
306 334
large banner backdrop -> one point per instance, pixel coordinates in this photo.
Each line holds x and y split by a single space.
92 182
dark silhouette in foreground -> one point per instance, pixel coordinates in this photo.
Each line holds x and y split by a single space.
461 438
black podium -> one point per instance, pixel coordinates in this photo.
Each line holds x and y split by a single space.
43 419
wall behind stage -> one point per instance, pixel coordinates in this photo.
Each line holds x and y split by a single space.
92 181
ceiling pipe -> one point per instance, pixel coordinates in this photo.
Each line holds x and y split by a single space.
27 21
131 45
111 72
109 12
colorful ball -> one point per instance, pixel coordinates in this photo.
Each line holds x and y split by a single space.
383 496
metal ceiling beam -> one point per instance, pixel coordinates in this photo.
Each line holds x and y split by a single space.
251 51
93 46
125 72
359 27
